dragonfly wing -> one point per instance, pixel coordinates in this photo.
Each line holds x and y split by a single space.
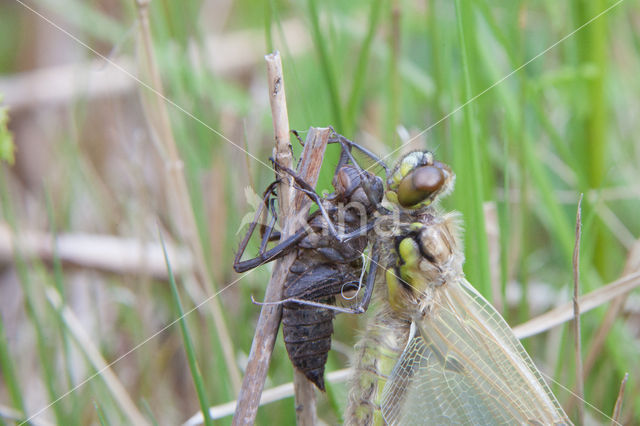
464 365
427 388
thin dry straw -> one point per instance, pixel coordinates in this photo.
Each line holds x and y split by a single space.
579 393
618 407
291 209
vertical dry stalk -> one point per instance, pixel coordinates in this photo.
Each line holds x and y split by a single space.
305 400
576 315
617 409
178 192
269 321
292 210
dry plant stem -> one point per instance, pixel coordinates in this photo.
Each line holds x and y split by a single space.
617 409
613 311
587 302
579 393
274 394
127 256
290 213
226 55
280 118
305 397
305 400
269 321
177 189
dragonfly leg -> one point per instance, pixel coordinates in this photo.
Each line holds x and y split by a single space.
359 308
343 238
297 135
348 144
363 304
307 189
308 303
256 219
274 253
303 186
268 233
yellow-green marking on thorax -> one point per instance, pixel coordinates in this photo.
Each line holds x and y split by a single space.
408 270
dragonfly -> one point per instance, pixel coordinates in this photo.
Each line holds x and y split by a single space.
435 351
329 258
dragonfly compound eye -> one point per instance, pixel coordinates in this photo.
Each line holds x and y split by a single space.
419 185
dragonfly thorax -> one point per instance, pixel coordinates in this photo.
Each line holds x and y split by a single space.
427 257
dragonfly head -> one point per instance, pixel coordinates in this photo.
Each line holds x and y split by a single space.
418 179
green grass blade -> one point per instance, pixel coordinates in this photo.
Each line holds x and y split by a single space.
328 71
268 36
476 232
8 372
188 344
361 69
100 412
32 306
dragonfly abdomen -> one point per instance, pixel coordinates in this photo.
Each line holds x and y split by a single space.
375 355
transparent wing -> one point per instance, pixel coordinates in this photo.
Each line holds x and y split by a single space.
463 365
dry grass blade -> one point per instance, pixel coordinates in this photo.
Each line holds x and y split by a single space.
579 393
268 396
587 302
226 55
305 394
269 320
632 265
615 417
103 252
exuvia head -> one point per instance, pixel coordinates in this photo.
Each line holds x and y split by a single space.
418 180
361 186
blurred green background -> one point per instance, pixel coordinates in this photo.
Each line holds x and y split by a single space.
531 102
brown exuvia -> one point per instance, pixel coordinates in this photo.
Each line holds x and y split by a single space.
325 265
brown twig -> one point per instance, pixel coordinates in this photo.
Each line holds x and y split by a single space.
617 409
305 400
579 394
290 214
304 393
267 327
